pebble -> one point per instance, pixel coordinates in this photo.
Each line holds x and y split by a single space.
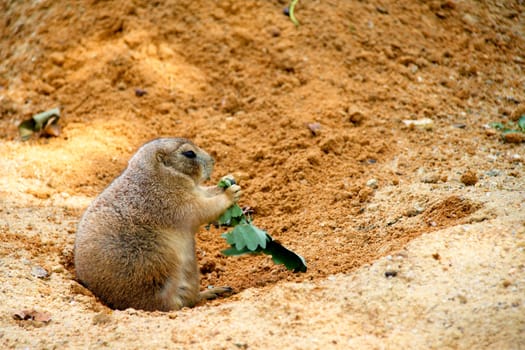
462 299
506 283
314 128
140 92
164 107
57 58
356 117
415 210
431 178
121 86
470 19
372 183
382 10
101 318
514 137
493 172
459 125
58 269
392 221
39 272
469 178
390 274
425 123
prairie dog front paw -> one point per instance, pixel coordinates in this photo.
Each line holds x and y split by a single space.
228 180
234 192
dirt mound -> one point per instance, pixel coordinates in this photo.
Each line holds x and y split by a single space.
311 119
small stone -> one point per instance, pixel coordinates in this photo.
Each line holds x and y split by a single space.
57 58
121 86
164 107
274 32
414 211
462 299
230 103
356 117
431 178
39 317
39 272
469 178
425 123
58 269
390 274
459 125
372 183
470 19
207 266
101 318
382 10
514 137
314 128
131 311
392 221
493 173
490 132
140 92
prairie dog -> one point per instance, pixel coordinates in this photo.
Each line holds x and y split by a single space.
135 244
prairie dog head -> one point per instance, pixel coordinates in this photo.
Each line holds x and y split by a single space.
171 158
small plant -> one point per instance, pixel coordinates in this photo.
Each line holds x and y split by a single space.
291 13
45 123
246 238
509 126
511 132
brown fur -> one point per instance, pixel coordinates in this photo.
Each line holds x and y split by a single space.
135 244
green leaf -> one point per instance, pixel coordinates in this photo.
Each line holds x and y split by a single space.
521 123
26 129
246 238
254 236
225 217
236 211
497 125
246 235
282 255
231 216
41 118
224 183
232 251
45 122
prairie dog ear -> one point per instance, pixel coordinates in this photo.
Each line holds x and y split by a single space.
160 155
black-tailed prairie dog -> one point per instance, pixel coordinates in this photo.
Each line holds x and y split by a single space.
135 244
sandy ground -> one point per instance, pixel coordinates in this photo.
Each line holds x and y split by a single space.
414 237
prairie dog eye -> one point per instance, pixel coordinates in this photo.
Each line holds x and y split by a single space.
189 154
